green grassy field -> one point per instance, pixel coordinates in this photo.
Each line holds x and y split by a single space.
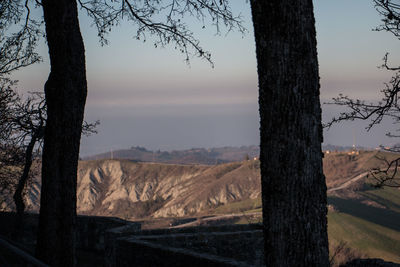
370 224
387 197
245 206
374 240
372 231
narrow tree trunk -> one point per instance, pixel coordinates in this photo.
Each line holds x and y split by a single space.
65 91
293 184
18 195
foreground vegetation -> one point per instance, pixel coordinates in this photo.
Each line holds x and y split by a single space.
365 238
368 227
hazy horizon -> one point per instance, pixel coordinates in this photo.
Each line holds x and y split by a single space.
205 148
149 97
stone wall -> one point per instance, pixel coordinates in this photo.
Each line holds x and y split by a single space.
243 246
229 245
134 252
369 263
91 230
124 244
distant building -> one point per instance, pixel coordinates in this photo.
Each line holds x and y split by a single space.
353 153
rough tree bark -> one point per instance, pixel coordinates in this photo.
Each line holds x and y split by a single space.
293 184
65 91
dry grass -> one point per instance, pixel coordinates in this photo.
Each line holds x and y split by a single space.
339 167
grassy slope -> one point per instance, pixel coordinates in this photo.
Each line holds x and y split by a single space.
372 231
369 229
372 239
387 197
339 167
248 205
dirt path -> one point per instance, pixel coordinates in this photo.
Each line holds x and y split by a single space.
228 216
348 183
216 218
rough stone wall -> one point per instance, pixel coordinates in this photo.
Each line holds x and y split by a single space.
126 245
243 246
111 238
369 263
91 231
230 245
134 252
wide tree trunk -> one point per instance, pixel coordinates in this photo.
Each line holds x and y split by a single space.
65 91
293 184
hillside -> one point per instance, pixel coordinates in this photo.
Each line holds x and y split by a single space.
136 190
364 217
340 166
373 229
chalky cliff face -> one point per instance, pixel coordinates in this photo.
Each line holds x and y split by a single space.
135 190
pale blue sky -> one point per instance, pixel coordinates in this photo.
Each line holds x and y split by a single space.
150 97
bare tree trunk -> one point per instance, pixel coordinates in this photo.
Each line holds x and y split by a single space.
293 184
18 195
65 91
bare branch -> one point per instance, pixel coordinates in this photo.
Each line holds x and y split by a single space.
390 13
17 49
163 20
388 107
22 124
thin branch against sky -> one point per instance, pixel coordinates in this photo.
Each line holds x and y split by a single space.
154 92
